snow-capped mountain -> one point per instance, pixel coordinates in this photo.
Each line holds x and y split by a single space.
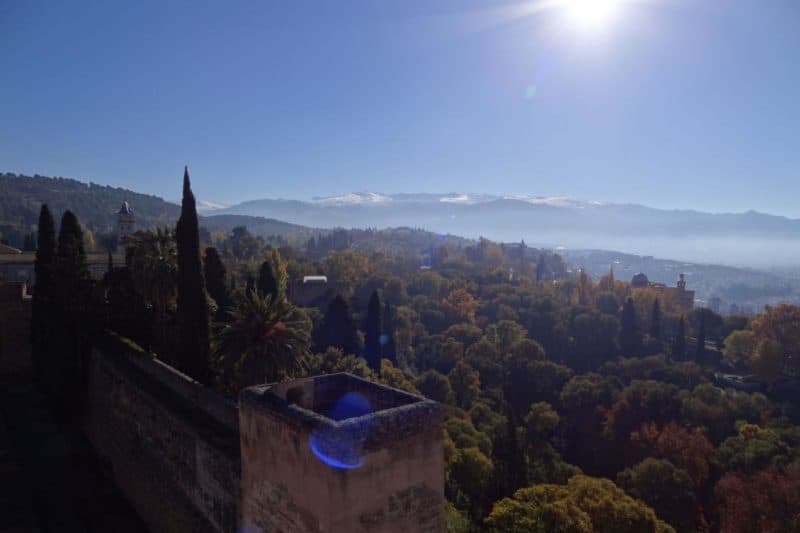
352 199
204 206
739 238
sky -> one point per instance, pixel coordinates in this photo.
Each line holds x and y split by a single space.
670 103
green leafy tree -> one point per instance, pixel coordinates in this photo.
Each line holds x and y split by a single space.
739 349
768 361
192 312
471 474
333 361
508 458
583 505
607 303
266 337
372 332
664 487
753 449
152 259
466 384
435 386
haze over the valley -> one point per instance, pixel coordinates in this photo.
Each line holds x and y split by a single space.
746 239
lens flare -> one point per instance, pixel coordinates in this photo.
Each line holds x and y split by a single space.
340 446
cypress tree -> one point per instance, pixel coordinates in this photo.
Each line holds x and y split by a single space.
192 313
628 334
72 283
540 268
701 339
44 291
267 282
389 351
510 459
338 328
655 321
679 342
216 275
372 332
272 277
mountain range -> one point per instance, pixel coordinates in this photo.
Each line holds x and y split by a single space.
750 238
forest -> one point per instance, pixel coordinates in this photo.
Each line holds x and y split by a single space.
571 404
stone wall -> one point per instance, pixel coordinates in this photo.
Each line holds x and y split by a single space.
190 460
15 332
171 444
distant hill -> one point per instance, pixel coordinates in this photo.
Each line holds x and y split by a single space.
751 238
96 207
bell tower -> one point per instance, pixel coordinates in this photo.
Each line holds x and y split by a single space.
125 221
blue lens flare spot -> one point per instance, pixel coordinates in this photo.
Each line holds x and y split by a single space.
335 458
340 446
350 405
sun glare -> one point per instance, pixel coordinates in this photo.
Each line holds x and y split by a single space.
592 13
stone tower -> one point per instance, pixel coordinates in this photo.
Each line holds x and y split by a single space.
125 221
339 453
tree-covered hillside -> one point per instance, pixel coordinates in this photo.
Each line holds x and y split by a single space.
94 205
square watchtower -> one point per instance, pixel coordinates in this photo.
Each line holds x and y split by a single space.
340 453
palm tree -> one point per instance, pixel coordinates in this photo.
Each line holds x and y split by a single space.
264 333
152 257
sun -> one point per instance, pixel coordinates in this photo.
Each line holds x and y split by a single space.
592 13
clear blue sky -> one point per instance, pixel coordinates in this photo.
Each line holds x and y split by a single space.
675 103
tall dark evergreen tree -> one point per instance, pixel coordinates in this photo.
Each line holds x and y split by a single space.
629 339
389 351
509 459
44 291
540 271
73 286
339 328
700 354
372 332
267 281
655 321
679 342
216 281
192 312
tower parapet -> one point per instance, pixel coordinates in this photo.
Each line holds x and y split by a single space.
339 453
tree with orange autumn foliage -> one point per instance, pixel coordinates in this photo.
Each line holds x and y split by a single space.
686 448
768 501
460 305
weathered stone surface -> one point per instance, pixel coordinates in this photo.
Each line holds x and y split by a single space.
168 441
397 484
189 460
